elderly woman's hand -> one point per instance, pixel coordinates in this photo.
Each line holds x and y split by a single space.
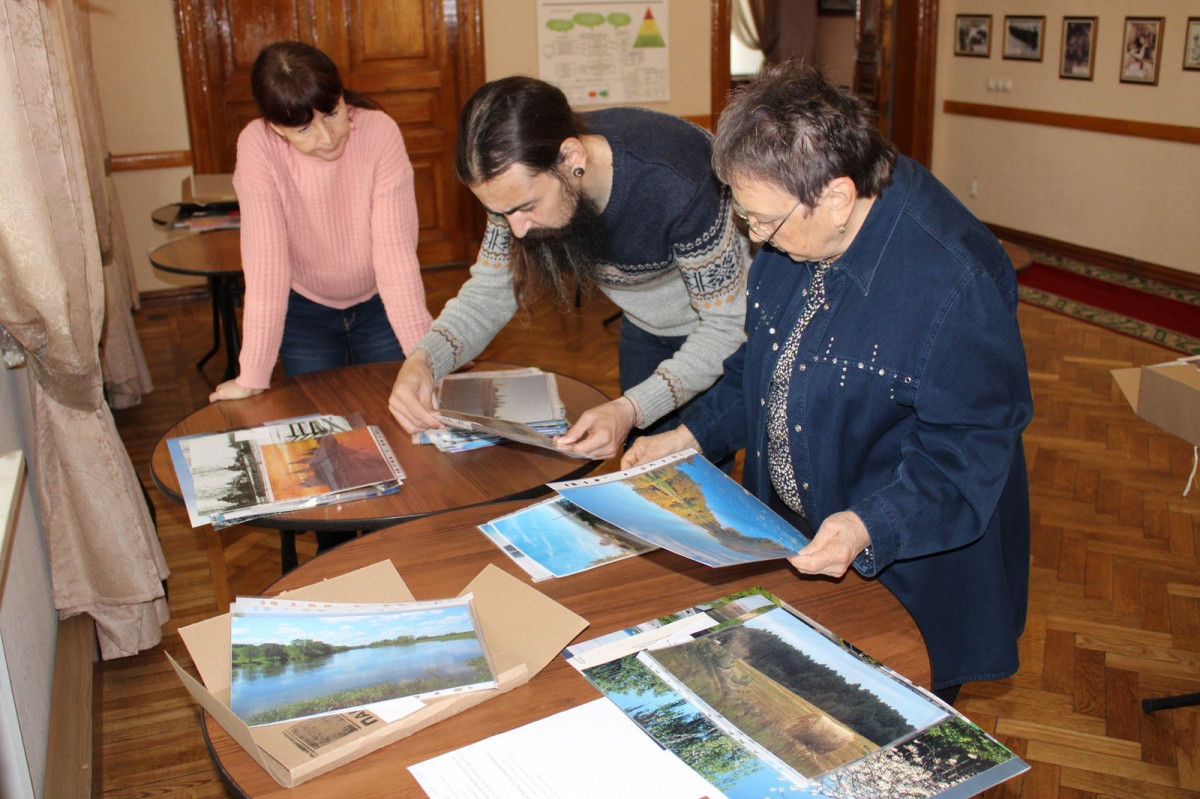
649 448
841 539
600 431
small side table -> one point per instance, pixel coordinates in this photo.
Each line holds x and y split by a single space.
217 257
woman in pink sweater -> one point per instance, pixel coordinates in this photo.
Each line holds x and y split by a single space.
329 226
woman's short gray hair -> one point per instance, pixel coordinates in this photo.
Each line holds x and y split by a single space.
790 126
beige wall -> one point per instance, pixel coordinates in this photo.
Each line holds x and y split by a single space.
510 48
1114 193
1119 194
141 91
835 47
28 620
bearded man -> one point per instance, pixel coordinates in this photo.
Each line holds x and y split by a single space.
622 200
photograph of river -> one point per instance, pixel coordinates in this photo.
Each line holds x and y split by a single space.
289 666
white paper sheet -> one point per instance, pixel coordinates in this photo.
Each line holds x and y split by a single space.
592 750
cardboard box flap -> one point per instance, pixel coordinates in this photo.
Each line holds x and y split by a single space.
209 642
236 728
534 635
1169 396
522 628
1129 381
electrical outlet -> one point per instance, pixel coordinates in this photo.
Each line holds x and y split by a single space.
973 187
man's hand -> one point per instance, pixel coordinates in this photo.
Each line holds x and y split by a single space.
841 539
649 448
411 401
232 390
600 431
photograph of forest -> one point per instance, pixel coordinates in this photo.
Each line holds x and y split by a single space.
761 702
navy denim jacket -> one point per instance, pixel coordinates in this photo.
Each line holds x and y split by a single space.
906 406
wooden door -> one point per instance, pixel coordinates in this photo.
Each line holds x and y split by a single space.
896 42
419 59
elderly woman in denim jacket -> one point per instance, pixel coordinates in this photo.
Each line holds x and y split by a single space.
882 390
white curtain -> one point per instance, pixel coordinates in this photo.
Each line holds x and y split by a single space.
104 553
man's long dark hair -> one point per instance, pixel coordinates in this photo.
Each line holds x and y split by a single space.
521 121
291 79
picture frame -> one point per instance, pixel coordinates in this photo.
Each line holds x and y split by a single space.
1141 50
1078 55
973 35
837 6
1191 44
1024 38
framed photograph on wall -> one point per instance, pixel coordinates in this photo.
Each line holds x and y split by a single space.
1191 44
1078 58
973 35
1141 50
836 6
1024 38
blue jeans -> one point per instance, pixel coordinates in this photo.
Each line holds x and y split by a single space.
640 354
317 337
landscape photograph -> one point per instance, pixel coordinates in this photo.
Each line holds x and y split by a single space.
795 693
288 666
313 466
688 732
561 538
691 508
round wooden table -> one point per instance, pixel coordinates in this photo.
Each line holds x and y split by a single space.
438 555
436 481
216 256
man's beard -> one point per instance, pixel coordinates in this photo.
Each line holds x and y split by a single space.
555 260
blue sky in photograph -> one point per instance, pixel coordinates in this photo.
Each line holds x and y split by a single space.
919 712
347 629
732 505
555 539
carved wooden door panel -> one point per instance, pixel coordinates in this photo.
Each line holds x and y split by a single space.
419 59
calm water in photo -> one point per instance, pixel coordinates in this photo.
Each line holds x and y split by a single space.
258 689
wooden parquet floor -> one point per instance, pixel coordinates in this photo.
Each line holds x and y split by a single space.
1114 601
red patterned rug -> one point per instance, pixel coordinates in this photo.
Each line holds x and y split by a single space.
1166 315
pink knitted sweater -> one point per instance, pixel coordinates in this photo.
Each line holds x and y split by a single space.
337 232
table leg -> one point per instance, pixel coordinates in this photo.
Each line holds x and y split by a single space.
216 568
287 551
229 325
213 283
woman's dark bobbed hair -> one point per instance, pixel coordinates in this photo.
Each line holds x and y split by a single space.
289 80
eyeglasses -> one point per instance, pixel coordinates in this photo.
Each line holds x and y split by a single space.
757 228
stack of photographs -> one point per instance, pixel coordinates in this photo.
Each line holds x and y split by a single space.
478 404
468 437
293 659
758 700
232 477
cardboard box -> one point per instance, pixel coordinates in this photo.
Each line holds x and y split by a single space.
1166 394
203 189
522 628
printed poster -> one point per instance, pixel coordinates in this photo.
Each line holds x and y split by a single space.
602 52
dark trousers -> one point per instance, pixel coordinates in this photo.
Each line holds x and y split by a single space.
317 337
